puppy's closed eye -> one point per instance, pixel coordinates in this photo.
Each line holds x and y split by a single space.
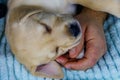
48 29
57 49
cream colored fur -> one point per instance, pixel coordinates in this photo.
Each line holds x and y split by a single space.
35 44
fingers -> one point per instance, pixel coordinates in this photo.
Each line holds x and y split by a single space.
95 48
93 53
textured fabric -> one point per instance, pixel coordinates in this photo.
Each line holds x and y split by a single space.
107 68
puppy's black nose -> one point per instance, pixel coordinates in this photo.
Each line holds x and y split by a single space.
74 29
3 10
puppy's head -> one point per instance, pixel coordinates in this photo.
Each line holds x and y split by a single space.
38 37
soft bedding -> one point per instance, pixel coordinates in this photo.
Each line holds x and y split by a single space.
107 68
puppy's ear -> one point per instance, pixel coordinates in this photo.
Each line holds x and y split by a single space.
52 70
21 13
29 15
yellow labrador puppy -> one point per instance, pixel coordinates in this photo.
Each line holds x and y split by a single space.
39 31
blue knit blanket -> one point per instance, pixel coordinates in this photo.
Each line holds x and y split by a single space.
107 68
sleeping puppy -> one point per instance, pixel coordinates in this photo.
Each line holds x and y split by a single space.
40 31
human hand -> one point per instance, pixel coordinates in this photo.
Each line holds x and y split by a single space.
93 40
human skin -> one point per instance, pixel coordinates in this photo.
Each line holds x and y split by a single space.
93 40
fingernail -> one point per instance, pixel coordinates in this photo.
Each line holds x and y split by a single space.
59 60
